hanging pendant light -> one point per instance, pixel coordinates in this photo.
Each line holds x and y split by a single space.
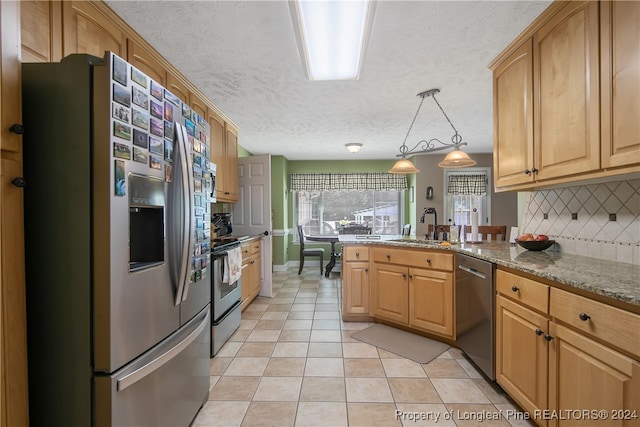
456 159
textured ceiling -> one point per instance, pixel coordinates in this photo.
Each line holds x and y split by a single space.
243 56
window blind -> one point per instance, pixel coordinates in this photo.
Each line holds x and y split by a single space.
467 185
379 181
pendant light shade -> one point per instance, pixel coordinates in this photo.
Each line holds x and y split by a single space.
457 159
404 166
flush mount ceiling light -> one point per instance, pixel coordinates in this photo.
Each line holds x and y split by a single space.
332 36
456 159
353 147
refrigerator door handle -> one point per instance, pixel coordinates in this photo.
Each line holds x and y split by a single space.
147 369
186 198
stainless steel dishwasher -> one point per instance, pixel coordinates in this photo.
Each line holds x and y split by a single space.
475 311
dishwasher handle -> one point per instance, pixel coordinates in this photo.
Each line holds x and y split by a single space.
472 271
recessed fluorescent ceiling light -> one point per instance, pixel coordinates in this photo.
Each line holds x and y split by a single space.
332 36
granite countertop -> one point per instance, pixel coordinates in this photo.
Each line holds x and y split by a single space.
616 280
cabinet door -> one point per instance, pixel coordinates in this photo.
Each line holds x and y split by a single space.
566 92
177 87
10 80
620 47
356 288
521 354
198 105
390 293
41 31
216 124
231 164
431 301
246 283
254 264
584 374
513 117
146 61
87 30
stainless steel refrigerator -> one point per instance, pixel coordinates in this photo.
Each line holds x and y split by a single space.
117 247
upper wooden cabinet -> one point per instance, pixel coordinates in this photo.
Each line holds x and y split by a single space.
86 29
10 79
573 93
620 82
513 119
146 61
198 105
43 21
231 164
565 87
224 153
177 87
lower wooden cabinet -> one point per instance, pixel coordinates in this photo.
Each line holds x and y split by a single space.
521 354
355 280
584 374
431 301
251 272
564 357
390 293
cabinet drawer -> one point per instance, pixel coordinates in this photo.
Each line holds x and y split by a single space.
414 258
250 248
355 253
611 324
525 291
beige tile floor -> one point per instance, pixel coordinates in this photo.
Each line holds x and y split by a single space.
293 362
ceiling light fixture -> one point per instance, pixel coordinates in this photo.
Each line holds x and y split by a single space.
353 147
456 159
332 36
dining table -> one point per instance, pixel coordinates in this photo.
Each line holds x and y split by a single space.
326 238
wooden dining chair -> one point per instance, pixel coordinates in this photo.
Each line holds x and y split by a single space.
490 232
308 252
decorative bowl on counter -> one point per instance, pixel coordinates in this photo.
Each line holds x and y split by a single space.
535 245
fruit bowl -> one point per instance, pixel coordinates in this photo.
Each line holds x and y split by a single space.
535 245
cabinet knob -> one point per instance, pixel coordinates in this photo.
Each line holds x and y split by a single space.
514 288
411 276
388 257
404 275
366 270
17 128
527 171
548 337
19 182
534 170
357 254
584 317
428 261
539 332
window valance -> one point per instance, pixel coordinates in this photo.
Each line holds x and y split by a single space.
467 185
379 181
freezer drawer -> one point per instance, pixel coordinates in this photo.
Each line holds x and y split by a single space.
223 328
164 387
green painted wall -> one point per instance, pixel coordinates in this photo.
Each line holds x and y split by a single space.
242 152
280 213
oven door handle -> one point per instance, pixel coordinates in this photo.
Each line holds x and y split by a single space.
228 313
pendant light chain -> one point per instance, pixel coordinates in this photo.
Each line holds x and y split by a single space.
404 148
456 138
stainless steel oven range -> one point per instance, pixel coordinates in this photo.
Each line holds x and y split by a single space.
226 298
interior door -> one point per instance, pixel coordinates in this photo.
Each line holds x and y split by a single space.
252 212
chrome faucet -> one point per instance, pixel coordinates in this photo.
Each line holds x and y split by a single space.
435 219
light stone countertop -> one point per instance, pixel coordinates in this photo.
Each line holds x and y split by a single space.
615 280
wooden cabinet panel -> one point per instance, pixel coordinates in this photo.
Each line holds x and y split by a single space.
198 105
390 293
526 291
431 301
620 56
146 61
414 258
355 253
87 30
521 354
566 92
513 117
251 271
177 87
41 31
12 297
231 164
584 374
612 325
10 79
356 292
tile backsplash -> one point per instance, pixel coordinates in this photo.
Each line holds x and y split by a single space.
597 220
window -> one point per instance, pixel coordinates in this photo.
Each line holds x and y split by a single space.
324 202
464 191
324 212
